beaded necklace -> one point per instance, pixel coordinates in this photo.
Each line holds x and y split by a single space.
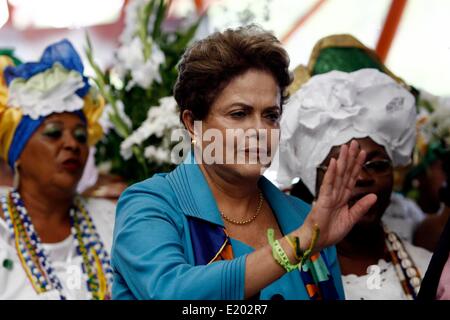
34 258
407 272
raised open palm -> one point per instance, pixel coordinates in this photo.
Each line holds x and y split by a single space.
331 211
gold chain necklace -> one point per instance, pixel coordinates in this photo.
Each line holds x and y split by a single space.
258 210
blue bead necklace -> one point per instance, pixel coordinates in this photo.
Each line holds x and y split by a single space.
35 261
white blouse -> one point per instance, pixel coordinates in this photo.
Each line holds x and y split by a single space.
381 282
14 283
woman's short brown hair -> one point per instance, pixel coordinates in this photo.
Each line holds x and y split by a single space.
210 64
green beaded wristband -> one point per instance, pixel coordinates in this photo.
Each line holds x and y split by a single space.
278 253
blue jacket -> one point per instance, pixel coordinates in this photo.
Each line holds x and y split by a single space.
152 254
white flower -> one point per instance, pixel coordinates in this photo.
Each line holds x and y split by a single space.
438 125
105 121
136 138
130 58
238 13
161 120
131 20
434 123
157 154
53 90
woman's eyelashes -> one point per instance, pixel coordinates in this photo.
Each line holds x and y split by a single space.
238 114
55 132
80 135
273 116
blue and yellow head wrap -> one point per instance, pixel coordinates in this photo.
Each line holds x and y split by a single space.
32 91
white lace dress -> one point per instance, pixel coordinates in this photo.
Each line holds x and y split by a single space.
14 283
381 282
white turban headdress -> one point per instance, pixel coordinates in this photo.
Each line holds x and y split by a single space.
335 107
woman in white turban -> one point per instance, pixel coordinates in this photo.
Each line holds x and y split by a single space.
329 111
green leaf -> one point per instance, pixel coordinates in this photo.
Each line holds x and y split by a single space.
160 15
144 18
189 34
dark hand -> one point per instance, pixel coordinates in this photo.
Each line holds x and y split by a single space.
331 211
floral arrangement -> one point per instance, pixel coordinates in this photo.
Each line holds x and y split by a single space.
433 128
433 138
434 118
141 113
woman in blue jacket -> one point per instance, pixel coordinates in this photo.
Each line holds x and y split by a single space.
215 228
